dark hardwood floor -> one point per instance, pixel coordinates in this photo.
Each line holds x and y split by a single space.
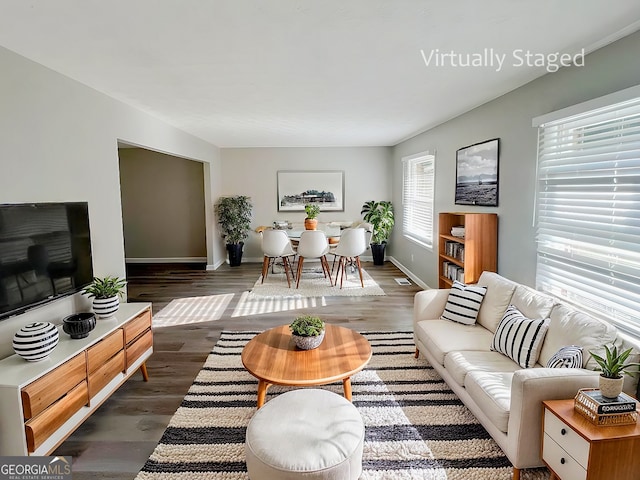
118 438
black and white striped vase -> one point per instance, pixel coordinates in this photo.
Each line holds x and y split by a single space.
106 307
36 341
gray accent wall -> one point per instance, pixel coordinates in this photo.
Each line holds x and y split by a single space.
612 68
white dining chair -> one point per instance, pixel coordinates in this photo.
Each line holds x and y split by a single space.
313 244
353 243
275 245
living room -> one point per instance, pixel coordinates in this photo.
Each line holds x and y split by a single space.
60 142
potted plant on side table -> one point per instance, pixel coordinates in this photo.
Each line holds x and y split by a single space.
106 293
234 217
307 332
312 210
613 366
380 216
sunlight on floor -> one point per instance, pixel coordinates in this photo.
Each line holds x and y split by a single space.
183 311
255 306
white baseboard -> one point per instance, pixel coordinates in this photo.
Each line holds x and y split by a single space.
167 260
409 274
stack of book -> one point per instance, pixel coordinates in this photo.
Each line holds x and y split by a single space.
601 410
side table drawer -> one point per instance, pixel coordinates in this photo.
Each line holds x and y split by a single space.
563 464
567 438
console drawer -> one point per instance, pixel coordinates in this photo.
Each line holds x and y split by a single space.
42 426
136 326
47 389
102 351
137 348
107 372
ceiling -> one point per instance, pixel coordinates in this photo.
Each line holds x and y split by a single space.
249 73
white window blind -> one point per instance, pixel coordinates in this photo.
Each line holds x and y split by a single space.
417 198
588 212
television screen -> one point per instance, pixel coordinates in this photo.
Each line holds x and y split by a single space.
45 253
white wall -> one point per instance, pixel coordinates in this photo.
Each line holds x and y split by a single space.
607 70
253 172
59 142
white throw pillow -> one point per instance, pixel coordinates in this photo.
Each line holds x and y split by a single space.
520 338
463 303
567 357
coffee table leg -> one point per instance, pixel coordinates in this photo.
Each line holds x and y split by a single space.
346 384
262 392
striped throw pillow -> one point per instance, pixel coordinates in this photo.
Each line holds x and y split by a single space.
567 357
463 303
520 338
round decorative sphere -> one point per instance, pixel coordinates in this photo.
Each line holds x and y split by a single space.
308 343
106 307
79 325
36 341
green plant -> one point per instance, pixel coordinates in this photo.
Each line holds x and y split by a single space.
380 215
307 326
106 287
613 363
312 210
234 217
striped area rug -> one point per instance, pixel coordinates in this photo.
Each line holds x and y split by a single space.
415 426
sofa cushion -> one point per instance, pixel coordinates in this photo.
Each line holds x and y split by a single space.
459 364
442 336
567 357
496 300
571 327
463 303
532 303
519 337
492 393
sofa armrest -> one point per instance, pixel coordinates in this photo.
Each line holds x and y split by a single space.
429 304
529 388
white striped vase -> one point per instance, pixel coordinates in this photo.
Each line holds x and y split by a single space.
36 341
106 307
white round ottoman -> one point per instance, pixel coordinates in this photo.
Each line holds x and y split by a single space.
309 433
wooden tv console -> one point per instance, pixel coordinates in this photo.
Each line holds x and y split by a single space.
42 403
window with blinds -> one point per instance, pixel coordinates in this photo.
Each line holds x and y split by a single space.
417 198
588 212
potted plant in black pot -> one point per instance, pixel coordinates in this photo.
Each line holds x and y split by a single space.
234 217
380 216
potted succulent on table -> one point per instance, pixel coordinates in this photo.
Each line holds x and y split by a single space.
106 293
234 217
312 210
307 332
380 216
613 366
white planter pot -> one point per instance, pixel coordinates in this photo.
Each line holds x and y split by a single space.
34 342
611 387
106 307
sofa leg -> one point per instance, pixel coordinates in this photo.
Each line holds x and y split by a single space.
417 354
516 473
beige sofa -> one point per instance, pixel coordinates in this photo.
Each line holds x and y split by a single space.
504 397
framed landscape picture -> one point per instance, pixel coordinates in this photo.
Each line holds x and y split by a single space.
477 174
296 188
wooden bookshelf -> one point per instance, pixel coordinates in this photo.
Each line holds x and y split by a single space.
475 253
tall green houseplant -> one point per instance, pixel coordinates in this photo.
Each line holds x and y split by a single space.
234 217
380 216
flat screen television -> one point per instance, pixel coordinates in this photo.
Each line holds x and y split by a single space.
45 253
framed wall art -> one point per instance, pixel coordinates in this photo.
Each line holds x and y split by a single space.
477 174
296 188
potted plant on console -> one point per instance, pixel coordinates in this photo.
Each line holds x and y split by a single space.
380 216
312 210
106 293
234 217
613 366
307 332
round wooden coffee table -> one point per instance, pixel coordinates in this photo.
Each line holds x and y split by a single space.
273 359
